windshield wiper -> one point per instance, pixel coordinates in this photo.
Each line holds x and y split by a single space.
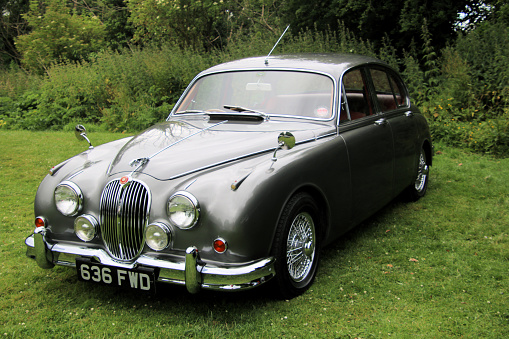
253 112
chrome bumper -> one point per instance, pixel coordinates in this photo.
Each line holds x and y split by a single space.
191 272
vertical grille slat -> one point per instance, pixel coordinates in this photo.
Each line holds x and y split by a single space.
124 215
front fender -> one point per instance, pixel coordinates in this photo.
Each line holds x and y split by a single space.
247 217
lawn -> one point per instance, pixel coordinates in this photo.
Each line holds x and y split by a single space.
435 268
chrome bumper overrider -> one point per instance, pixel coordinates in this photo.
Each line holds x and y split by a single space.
191 272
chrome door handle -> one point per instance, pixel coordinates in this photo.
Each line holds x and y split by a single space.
409 114
381 122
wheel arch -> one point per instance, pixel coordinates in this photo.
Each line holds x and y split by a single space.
324 209
429 151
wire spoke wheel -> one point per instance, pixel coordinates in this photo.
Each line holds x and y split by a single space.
422 173
300 247
297 245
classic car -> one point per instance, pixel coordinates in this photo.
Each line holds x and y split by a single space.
261 163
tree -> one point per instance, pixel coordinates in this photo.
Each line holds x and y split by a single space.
400 20
57 35
201 24
188 23
12 24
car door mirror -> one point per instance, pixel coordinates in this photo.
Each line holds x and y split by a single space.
81 134
286 140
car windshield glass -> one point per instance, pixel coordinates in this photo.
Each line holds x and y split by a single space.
292 93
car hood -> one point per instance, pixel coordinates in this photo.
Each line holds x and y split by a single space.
174 148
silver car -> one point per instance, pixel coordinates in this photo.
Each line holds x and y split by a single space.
261 163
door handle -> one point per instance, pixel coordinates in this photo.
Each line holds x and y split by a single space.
381 122
409 114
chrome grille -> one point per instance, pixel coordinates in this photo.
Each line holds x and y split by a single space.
124 215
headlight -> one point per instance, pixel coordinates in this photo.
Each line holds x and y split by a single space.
68 198
183 210
85 227
158 236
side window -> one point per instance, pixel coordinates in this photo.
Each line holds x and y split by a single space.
389 91
358 103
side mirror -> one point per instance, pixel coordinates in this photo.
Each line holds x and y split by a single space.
81 134
285 140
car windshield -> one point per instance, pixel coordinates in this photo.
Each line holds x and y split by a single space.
290 93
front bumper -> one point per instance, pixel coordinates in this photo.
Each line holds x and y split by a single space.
191 272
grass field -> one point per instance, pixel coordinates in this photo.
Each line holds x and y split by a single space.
431 269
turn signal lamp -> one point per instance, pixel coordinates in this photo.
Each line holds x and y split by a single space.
40 222
220 245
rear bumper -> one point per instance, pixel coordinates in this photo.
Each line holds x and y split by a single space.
190 271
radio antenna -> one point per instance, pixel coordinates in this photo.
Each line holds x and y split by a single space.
268 55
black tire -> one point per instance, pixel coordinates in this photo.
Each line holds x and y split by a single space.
297 246
419 187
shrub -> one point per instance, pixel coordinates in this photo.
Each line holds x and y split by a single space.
57 35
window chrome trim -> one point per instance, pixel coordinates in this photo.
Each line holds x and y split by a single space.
173 112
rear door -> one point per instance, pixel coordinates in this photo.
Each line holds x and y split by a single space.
393 103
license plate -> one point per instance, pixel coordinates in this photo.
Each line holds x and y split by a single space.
140 278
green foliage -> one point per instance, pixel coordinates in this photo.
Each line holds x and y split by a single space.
463 89
58 35
470 105
190 23
121 91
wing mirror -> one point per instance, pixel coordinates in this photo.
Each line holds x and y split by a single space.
81 134
285 140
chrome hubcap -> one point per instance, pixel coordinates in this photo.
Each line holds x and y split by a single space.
300 247
422 173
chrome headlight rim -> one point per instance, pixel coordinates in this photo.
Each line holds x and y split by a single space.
166 229
191 199
78 198
89 220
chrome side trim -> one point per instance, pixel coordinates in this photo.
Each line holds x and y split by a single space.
268 150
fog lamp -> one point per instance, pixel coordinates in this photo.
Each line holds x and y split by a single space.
158 236
85 227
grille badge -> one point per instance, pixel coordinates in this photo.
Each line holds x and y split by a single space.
124 180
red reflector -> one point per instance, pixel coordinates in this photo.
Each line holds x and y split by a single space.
40 222
219 245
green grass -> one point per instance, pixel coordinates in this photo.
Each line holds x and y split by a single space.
436 268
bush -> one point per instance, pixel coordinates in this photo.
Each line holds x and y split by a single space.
58 35
463 92
122 91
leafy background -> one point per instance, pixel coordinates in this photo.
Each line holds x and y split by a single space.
120 65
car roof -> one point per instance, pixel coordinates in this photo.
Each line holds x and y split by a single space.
333 64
